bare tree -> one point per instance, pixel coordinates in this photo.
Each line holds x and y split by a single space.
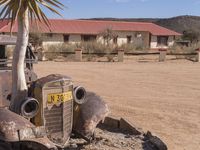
35 37
108 35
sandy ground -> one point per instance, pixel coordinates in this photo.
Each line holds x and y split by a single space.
161 97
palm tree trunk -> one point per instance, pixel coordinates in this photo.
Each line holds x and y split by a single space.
19 87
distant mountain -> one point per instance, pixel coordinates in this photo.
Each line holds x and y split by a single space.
127 19
179 24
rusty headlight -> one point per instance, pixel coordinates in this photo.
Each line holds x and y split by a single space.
29 107
79 95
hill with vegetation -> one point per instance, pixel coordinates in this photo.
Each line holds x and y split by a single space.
179 23
187 25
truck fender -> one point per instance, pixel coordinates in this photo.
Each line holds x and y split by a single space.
15 128
89 114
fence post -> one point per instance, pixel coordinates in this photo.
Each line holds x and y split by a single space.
198 55
78 54
121 55
162 56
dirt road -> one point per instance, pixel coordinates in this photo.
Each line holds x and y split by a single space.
161 97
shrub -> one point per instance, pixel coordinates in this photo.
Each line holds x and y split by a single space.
53 51
36 40
176 49
191 35
95 47
130 48
184 49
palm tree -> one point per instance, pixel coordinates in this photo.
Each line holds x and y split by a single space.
21 11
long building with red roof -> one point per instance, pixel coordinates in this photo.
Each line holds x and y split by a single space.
144 34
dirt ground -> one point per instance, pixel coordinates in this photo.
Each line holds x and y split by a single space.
161 97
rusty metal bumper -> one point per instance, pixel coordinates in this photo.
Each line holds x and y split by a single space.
15 128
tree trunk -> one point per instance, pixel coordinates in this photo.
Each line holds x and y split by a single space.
19 87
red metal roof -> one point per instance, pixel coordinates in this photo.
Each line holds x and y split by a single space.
91 27
3 23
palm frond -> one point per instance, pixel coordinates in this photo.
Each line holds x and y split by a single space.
13 8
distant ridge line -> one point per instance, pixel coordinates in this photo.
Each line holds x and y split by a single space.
177 23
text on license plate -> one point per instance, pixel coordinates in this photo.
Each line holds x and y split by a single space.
59 97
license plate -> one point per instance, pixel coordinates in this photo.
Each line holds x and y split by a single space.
59 97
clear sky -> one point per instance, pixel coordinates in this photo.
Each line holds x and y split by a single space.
128 8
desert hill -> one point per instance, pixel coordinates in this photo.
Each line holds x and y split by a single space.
179 23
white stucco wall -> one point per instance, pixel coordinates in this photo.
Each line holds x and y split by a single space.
122 38
56 39
52 39
154 44
137 40
101 40
171 41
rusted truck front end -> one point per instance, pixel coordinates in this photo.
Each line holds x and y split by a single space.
55 96
46 116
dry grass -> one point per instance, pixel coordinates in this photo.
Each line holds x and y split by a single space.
184 49
130 48
97 50
91 48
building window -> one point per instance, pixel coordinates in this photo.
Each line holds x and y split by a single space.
115 39
87 38
66 38
162 40
129 39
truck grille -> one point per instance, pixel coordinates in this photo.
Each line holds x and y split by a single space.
58 122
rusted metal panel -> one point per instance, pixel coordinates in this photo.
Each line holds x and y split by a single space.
43 142
31 133
14 128
58 122
53 119
45 81
5 86
10 124
67 119
89 114
56 117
